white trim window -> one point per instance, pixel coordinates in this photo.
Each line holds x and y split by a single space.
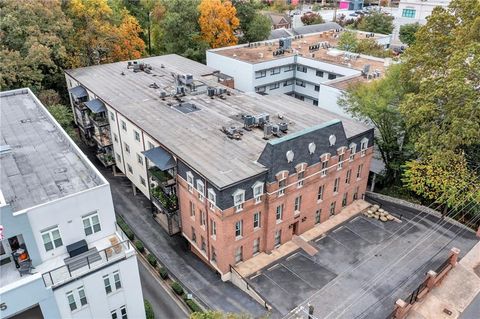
71 301
278 237
107 284
359 171
212 198
298 204
51 238
300 177
190 181
321 191
347 178
256 220
257 192
239 229
281 187
124 125
340 161
213 228
116 280
238 199
279 213
353 150
91 224
140 159
336 185
123 313
200 190
136 135
324 168
363 146
203 219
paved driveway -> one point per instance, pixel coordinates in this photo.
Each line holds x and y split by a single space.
362 267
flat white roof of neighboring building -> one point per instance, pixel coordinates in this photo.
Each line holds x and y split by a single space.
38 161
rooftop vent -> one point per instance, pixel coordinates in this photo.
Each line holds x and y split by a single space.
154 86
232 132
366 69
285 43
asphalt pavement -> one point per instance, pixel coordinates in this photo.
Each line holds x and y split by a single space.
163 304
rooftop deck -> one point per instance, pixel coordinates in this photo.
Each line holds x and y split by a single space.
39 162
195 136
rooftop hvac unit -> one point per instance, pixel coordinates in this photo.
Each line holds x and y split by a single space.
366 69
275 129
283 126
163 94
267 130
221 91
248 121
262 119
211 91
180 90
186 79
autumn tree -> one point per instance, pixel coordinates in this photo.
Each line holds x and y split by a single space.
311 18
218 22
443 110
127 44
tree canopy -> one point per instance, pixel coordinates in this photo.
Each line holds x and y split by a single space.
348 42
407 33
311 18
218 21
376 22
258 29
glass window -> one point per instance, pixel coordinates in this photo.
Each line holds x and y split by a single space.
129 168
315 102
298 203
349 174
288 83
81 295
336 184
127 147
124 126
302 68
274 71
274 86
359 170
123 312
106 282
300 177
257 192
112 116
239 228
91 224
332 76
115 137
256 220
300 83
332 208
212 197
324 168
114 314
321 190
136 134
203 246
71 301
116 279
239 199
140 159
194 236
344 200
213 228
260 89
281 186
214 255
317 88
190 181
279 213
192 209
317 216
201 190
119 158
256 246
142 181
289 68
408 13
319 73
260 74
51 238
278 237
340 161
150 145
202 218
353 149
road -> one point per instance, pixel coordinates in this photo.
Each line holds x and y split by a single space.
162 303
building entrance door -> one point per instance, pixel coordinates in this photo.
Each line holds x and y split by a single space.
295 228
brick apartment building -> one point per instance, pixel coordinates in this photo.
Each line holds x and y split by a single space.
236 173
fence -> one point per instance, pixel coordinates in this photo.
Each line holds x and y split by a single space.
402 307
239 281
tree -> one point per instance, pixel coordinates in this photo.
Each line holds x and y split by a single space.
259 29
407 33
311 18
35 45
128 45
64 116
376 103
218 22
442 112
348 41
180 31
377 22
218 315
246 12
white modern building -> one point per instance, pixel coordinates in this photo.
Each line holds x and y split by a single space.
308 67
414 11
61 253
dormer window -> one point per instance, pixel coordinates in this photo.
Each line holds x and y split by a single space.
258 192
281 186
200 190
324 158
364 146
300 177
238 199
190 181
353 150
212 199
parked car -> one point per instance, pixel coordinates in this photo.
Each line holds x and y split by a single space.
353 14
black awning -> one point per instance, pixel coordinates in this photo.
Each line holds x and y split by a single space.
96 106
78 92
158 156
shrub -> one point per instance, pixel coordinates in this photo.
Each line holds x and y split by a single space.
193 306
177 288
126 229
149 314
163 273
139 246
152 260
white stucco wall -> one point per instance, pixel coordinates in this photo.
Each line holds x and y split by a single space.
242 72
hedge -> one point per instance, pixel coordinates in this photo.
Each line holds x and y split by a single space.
163 273
177 288
139 246
126 229
149 314
193 305
152 260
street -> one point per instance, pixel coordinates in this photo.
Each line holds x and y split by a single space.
162 303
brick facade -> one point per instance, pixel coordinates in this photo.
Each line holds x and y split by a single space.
225 242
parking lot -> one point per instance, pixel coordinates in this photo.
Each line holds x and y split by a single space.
362 267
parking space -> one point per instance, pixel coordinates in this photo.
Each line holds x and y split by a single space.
362 266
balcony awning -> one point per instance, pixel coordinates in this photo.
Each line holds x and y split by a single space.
96 106
160 158
78 92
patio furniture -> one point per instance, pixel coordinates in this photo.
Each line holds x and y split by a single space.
25 267
77 248
82 260
117 247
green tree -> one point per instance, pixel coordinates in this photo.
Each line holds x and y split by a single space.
246 12
377 103
407 33
311 18
443 110
377 22
64 117
348 41
34 44
149 314
218 315
259 29
180 31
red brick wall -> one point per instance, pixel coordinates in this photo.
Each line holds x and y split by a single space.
225 242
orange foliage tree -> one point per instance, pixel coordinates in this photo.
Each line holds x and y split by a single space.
218 22
128 44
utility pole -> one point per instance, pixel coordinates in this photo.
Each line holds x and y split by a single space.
149 39
335 11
